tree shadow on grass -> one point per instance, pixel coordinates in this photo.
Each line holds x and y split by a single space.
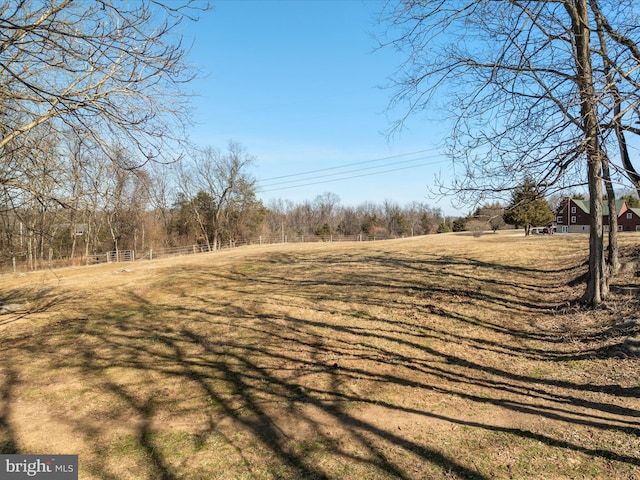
19 304
430 291
239 379
271 394
232 380
8 444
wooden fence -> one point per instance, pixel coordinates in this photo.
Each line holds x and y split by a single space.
19 263
261 240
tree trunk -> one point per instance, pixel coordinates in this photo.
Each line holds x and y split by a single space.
579 13
613 264
203 227
73 242
594 294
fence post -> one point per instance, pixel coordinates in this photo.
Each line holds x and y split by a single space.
150 254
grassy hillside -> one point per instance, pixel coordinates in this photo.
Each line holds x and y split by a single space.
438 357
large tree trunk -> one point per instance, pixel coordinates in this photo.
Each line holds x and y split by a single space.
594 294
596 286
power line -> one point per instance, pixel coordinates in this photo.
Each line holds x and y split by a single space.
349 177
308 172
337 174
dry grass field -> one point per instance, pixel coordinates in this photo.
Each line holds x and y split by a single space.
440 357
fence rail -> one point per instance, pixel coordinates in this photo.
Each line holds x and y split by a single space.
20 262
263 240
121 256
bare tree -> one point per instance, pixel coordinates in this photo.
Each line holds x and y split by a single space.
106 70
245 214
125 200
492 214
617 31
350 224
302 219
219 179
325 208
397 223
277 216
161 193
524 83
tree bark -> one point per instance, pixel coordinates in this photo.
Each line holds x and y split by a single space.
613 263
579 13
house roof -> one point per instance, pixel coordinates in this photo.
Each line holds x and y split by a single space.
584 206
619 205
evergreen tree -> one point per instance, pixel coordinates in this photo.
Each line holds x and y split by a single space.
528 208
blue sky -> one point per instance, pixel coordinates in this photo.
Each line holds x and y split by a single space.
298 84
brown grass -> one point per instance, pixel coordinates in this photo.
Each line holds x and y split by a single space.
438 357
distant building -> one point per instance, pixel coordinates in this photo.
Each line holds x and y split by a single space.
629 221
573 216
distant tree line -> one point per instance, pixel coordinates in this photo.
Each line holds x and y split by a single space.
84 202
324 216
87 202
